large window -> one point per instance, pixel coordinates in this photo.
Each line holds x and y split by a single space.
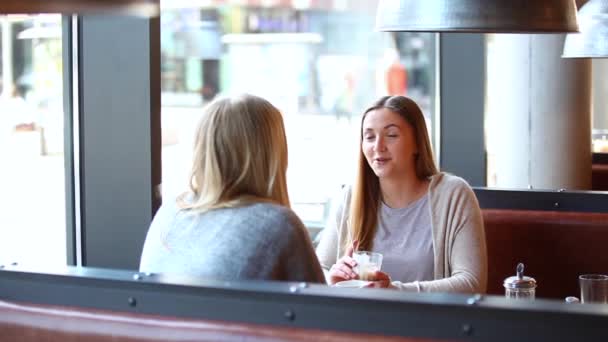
320 62
600 106
32 219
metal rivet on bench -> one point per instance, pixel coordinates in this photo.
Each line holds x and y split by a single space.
289 315
556 205
467 329
475 299
137 276
132 301
296 288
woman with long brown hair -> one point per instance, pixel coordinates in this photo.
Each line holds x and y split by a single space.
235 221
427 224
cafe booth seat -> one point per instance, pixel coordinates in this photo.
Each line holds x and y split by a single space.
555 247
599 177
34 323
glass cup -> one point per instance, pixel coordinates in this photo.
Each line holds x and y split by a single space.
367 264
594 288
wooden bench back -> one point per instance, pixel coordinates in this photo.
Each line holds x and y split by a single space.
33 323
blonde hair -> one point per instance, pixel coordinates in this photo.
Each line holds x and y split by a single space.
366 195
240 156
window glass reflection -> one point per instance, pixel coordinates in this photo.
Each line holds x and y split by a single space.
320 62
32 221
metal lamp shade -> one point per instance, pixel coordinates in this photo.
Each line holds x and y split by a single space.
592 41
148 8
477 16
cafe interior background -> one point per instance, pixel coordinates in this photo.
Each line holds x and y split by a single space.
322 63
97 107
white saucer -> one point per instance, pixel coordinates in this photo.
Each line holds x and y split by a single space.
352 283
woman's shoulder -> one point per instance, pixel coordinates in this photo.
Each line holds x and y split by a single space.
176 202
448 181
448 187
342 196
169 206
272 212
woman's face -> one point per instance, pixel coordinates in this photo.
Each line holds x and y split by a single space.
388 144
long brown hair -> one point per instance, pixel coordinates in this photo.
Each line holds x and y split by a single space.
240 155
366 194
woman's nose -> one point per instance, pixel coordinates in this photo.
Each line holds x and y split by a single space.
379 146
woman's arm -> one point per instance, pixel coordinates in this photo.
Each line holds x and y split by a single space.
329 247
301 263
327 250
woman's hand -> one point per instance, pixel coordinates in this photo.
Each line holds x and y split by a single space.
343 269
380 280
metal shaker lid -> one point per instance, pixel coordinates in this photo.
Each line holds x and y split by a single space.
520 281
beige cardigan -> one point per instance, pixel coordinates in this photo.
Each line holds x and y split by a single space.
459 242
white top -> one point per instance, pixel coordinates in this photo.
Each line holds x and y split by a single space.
405 239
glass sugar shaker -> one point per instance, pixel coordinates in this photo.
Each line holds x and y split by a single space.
520 286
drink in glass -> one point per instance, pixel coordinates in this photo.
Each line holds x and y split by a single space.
367 264
594 288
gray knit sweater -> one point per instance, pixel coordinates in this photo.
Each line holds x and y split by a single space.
259 241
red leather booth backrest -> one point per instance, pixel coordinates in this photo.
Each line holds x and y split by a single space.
556 247
599 177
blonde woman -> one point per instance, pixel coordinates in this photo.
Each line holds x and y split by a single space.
427 224
235 221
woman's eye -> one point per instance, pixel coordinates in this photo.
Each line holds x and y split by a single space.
369 137
392 135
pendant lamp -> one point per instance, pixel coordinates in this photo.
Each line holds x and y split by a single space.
147 8
477 16
592 41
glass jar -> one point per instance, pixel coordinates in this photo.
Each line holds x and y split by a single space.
520 286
